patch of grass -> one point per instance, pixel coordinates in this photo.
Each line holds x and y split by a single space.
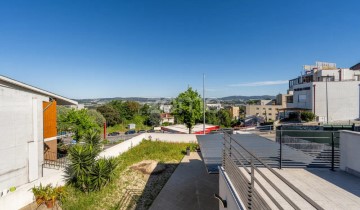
108 197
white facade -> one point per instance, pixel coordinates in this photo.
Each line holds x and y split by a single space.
21 131
349 152
21 137
331 92
166 108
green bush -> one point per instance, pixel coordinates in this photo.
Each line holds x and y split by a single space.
307 116
84 171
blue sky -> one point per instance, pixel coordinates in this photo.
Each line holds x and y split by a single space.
90 49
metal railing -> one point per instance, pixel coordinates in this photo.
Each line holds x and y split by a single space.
321 147
55 160
246 172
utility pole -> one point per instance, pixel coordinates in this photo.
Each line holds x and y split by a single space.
204 103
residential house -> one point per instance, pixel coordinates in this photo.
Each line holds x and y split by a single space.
28 131
166 117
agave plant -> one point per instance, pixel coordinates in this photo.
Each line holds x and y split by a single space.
81 158
84 171
92 137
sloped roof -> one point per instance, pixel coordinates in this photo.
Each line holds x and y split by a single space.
355 67
60 99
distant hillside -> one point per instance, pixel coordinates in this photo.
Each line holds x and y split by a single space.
245 98
153 100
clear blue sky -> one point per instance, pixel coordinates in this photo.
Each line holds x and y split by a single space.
151 48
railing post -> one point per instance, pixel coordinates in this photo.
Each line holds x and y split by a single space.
230 147
223 157
251 184
280 142
332 152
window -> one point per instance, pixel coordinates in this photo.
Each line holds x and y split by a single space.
270 113
302 98
270 108
257 108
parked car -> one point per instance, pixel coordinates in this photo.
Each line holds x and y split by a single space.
130 132
151 131
142 131
114 134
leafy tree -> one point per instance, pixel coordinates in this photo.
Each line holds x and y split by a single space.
154 119
224 117
97 116
187 107
252 102
78 121
145 110
307 116
111 115
212 118
132 107
127 110
60 112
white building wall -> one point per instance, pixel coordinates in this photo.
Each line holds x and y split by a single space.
16 130
343 99
349 152
298 102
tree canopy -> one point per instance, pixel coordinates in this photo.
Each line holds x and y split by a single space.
77 121
187 108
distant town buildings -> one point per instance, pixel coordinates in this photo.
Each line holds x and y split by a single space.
268 109
234 112
166 108
331 93
216 106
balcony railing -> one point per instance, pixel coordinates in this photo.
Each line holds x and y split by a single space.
55 160
249 175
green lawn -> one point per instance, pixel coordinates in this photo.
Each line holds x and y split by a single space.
109 197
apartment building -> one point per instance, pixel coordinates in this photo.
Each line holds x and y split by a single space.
234 112
268 109
331 93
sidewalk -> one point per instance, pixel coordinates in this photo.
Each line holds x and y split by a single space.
190 187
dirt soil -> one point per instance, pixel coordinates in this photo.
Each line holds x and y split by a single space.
140 184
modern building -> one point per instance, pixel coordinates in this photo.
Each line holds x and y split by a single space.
331 93
28 131
168 118
234 112
268 109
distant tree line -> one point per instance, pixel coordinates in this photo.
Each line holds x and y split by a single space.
117 112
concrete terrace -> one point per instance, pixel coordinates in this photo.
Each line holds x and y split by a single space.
329 189
189 187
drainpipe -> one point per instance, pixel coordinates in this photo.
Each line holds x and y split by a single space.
314 98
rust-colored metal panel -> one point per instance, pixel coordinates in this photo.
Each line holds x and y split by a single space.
50 150
49 119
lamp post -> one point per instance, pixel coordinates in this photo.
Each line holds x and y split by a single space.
204 103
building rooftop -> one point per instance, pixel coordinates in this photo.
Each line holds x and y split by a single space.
11 83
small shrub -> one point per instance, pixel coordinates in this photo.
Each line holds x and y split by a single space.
307 116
